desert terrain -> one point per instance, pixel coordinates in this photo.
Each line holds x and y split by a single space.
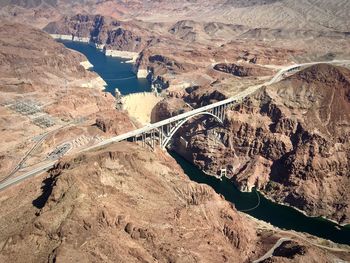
46 101
293 134
128 202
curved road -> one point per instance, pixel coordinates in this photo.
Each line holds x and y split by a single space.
34 147
269 253
12 181
238 97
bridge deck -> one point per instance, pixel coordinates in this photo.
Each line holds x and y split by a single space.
159 124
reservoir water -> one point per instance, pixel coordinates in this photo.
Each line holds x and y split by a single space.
119 75
115 72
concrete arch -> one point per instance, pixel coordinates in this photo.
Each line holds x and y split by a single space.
168 138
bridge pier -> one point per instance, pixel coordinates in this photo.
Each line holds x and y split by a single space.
153 140
222 112
168 127
143 140
160 135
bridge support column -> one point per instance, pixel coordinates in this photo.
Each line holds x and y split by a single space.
222 112
152 139
168 129
143 140
160 135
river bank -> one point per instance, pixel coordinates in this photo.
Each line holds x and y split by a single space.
278 215
132 56
301 211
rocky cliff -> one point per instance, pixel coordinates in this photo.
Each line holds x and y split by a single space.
290 140
243 70
28 53
128 204
104 31
45 89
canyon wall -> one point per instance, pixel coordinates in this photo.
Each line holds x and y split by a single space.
125 203
290 140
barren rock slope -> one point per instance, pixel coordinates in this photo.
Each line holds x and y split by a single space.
290 139
44 90
126 204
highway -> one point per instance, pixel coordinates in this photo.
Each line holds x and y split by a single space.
150 127
35 146
25 157
20 178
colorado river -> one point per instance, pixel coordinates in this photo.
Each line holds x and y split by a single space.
116 73
268 211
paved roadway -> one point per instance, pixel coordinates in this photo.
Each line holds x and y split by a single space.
269 253
25 157
35 146
43 168
153 126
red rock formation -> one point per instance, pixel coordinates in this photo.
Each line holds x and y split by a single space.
295 134
113 122
243 70
127 204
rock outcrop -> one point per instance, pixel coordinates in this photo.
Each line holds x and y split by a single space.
105 32
291 140
127 204
44 90
33 55
113 123
169 108
243 70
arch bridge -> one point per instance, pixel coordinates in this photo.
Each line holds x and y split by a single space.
161 133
